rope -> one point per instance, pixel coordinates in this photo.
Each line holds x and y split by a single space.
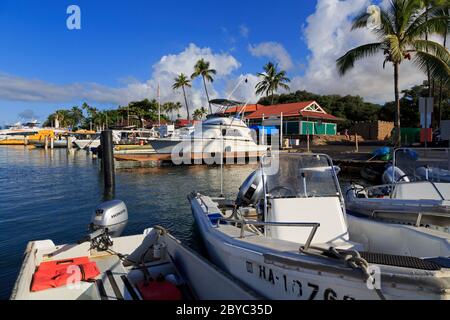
351 258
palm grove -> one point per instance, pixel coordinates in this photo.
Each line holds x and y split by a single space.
404 32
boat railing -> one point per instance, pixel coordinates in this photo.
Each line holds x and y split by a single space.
420 215
314 226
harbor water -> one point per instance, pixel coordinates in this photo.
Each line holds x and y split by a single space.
52 195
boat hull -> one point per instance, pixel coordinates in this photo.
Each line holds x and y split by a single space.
435 213
292 276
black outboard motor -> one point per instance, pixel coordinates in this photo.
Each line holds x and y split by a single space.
111 216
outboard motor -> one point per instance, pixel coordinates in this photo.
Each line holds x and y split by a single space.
394 175
251 191
111 216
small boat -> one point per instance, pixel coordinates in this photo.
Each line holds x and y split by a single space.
104 266
414 194
287 236
87 139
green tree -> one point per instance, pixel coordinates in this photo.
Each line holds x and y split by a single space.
200 113
403 27
202 68
271 80
183 82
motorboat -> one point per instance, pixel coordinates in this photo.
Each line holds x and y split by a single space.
212 140
105 266
18 133
287 236
416 191
218 135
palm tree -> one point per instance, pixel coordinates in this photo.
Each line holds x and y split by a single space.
202 69
442 81
169 107
402 29
427 5
271 80
183 82
176 107
77 115
200 113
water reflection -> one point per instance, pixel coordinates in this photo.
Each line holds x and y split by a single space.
51 195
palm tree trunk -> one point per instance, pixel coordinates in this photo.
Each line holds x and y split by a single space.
273 97
207 95
430 81
397 103
187 107
441 88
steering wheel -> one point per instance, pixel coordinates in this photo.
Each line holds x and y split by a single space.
292 193
405 176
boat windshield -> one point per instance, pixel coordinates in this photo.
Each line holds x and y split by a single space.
420 164
302 176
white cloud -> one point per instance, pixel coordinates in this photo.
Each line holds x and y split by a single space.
244 91
272 50
244 31
328 37
14 88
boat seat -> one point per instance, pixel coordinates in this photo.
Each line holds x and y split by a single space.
326 211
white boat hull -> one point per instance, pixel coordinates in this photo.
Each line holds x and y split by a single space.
288 275
83 144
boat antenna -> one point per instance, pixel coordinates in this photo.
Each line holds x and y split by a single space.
237 87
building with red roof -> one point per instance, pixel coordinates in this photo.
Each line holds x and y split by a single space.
298 118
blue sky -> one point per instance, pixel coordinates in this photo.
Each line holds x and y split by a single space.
123 39
125 48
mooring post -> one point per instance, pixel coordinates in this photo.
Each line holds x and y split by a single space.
107 147
46 143
70 144
25 141
52 143
356 142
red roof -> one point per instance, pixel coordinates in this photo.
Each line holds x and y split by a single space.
248 108
183 122
290 110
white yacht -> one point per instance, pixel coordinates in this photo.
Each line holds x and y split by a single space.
287 236
230 137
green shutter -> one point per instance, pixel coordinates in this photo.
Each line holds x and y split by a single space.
321 129
331 129
307 128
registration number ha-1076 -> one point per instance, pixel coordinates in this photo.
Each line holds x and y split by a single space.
300 289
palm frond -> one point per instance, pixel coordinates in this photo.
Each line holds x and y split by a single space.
347 61
433 48
394 48
438 68
360 21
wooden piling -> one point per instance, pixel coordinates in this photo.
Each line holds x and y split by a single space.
356 143
70 144
46 143
52 143
107 156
